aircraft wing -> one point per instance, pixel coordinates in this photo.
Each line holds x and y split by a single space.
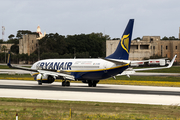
54 73
130 71
155 68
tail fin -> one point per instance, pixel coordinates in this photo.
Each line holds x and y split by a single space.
9 60
123 48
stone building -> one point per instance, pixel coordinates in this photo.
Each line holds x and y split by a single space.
169 48
29 43
148 46
144 48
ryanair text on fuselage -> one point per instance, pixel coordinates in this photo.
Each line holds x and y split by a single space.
54 65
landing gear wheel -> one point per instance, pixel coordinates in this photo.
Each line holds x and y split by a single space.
94 84
39 83
90 84
65 83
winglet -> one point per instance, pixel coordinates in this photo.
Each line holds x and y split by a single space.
9 60
170 65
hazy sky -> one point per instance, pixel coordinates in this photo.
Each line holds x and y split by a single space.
69 17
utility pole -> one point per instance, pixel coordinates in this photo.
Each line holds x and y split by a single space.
3 29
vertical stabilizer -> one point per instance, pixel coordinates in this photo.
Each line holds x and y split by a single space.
123 48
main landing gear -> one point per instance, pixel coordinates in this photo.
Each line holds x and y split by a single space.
65 83
92 83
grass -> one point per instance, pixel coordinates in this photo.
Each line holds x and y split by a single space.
170 81
6 67
16 77
29 109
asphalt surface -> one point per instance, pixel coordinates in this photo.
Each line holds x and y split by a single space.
85 88
81 92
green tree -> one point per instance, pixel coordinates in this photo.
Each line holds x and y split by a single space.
170 38
33 57
173 38
82 46
53 43
1 41
15 49
20 33
11 36
165 38
23 57
15 41
138 38
49 55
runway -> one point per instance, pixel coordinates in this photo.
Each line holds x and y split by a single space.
81 92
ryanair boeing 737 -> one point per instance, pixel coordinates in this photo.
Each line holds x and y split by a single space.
86 70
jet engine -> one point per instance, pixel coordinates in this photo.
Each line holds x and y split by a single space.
45 78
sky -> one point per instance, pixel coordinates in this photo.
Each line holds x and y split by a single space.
69 17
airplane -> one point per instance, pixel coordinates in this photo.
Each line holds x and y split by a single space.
89 71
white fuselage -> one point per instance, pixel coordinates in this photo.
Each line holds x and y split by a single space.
73 64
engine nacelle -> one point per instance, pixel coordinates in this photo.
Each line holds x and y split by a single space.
45 78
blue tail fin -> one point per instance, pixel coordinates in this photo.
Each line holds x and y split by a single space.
123 48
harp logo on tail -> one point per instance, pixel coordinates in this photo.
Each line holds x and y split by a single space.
125 43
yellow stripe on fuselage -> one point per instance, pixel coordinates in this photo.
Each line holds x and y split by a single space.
41 79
